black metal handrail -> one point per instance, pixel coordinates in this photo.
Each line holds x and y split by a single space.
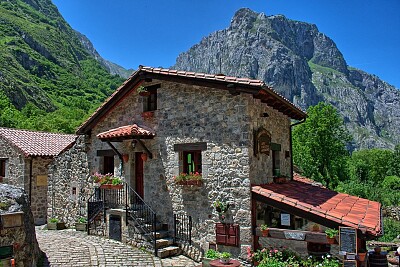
183 228
144 216
94 207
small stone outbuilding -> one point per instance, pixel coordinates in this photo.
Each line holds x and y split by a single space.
24 159
17 232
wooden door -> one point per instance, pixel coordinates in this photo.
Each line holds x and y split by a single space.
139 184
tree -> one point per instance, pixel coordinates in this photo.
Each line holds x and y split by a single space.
394 163
319 145
370 164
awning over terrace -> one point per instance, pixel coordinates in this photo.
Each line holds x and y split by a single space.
306 199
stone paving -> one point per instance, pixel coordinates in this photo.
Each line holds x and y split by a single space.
73 248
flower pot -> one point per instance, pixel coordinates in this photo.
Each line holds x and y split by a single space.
145 93
148 114
225 260
80 226
361 256
56 226
331 240
265 232
111 186
125 157
191 182
144 156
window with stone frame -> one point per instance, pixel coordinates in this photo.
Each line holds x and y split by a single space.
190 158
2 169
191 161
150 101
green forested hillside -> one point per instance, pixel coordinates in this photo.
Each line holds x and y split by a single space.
48 80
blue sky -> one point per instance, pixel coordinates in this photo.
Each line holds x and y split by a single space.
153 33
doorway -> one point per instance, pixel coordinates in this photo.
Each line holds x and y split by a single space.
139 184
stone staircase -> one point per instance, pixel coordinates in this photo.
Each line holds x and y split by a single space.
144 234
138 222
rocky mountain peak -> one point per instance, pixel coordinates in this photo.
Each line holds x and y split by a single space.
305 66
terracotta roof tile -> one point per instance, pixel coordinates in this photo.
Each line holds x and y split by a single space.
304 194
125 131
33 143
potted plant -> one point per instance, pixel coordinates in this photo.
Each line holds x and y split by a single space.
362 253
221 207
55 224
210 255
143 91
264 229
225 257
81 224
331 234
194 179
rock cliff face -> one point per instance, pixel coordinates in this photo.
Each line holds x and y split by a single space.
305 66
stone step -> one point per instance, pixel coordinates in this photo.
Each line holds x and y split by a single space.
168 251
159 234
161 243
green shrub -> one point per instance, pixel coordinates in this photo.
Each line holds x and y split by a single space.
391 229
212 254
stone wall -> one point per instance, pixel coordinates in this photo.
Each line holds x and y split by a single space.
392 212
15 164
186 114
21 232
39 189
69 184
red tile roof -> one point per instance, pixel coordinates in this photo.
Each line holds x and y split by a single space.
340 208
127 131
256 87
33 143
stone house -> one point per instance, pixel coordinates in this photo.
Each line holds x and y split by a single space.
234 132
24 159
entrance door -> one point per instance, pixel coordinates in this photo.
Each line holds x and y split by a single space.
139 185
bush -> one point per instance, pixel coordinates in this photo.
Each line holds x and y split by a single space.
212 254
391 230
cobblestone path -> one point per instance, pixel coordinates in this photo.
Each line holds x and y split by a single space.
72 248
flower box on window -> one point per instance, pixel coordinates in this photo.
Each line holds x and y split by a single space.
108 181
191 179
147 114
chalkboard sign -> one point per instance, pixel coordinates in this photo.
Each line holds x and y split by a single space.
348 240
349 263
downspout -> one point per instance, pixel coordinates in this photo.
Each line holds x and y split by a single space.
30 181
291 145
121 161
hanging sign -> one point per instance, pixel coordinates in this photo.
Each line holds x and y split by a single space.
285 219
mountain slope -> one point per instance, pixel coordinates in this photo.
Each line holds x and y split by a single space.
305 66
49 79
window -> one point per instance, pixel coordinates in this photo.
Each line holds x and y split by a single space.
108 164
276 163
276 160
2 169
192 161
150 103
